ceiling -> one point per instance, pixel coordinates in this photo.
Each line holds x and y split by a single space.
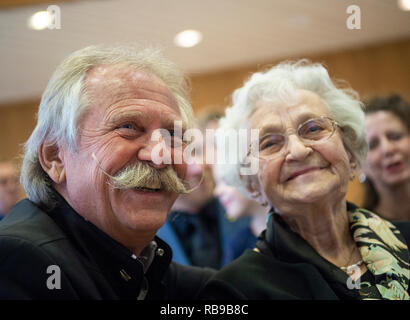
235 33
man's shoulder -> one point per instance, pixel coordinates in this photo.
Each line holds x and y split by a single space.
28 222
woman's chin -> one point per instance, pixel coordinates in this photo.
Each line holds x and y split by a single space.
315 193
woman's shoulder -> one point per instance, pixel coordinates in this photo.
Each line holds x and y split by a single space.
404 228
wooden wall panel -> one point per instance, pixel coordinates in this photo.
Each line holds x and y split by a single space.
17 121
373 70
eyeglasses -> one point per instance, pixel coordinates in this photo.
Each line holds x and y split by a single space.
309 133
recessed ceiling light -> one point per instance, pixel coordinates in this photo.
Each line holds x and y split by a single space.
404 4
40 20
188 38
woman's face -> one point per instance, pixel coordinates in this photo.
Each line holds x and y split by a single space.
301 174
388 159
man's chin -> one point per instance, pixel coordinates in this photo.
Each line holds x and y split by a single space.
143 219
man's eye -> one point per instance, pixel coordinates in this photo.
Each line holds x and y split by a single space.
126 126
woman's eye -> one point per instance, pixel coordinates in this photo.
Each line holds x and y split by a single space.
373 144
271 141
313 127
394 136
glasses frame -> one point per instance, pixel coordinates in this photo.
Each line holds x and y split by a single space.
335 125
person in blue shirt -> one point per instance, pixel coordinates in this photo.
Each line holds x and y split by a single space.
198 229
238 206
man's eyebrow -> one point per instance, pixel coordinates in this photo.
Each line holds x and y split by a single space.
142 117
174 122
118 116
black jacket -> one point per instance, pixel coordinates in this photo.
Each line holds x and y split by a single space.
285 268
35 246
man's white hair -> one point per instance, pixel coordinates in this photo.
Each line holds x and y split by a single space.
281 82
65 100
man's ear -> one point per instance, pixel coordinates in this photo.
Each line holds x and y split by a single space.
253 187
52 161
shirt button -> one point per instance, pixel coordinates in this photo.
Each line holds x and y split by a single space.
160 252
125 275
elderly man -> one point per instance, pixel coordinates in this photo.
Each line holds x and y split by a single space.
96 195
9 187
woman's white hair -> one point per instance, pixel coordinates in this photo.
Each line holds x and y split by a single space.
65 100
281 82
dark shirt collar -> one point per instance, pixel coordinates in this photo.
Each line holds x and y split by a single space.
116 262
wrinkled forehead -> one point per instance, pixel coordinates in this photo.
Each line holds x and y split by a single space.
293 110
109 83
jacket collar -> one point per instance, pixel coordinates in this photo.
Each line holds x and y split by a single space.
116 262
288 246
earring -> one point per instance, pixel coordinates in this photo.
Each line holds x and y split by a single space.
362 178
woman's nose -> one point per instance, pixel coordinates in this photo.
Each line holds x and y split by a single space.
296 150
387 147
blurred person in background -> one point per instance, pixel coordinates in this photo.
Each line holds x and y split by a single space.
10 191
386 172
237 205
197 228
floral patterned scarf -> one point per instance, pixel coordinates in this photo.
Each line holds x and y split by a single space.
385 253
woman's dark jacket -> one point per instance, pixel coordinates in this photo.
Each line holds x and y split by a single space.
286 267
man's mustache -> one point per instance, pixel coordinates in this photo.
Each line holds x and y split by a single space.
142 175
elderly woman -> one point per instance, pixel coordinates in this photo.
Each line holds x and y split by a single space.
316 245
386 172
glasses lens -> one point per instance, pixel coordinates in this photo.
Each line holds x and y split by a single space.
270 144
316 129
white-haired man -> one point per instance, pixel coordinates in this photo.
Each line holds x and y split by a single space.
96 196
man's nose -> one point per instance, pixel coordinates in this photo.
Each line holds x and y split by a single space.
152 154
296 150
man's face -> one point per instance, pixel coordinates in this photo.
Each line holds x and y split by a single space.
9 187
126 107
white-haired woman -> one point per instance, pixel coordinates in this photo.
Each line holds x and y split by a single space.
316 245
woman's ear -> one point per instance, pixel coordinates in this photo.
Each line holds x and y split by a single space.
353 165
51 158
